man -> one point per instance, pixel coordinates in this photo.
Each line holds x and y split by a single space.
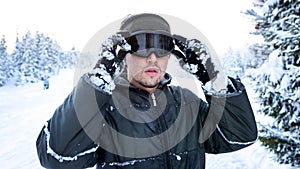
124 113
46 84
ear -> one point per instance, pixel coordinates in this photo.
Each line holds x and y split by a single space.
125 58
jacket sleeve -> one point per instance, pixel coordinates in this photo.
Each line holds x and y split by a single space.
236 126
63 142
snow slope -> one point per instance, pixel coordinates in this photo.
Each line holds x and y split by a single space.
24 110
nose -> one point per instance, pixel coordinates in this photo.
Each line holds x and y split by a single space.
152 58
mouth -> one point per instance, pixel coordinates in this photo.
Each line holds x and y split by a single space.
152 71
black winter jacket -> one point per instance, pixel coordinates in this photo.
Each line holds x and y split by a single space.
133 129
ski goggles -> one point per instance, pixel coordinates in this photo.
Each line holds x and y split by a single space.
146 43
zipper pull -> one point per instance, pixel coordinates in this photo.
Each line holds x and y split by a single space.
153 99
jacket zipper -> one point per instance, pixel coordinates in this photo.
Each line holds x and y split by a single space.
163 127
153 99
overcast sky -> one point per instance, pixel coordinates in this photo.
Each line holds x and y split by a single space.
74 22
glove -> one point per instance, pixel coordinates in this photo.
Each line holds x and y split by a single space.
196 59
110 64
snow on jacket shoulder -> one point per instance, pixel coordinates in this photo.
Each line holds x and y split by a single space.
81 132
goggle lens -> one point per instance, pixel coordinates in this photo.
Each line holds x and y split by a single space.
144 44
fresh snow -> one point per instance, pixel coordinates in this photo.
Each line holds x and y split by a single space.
25 109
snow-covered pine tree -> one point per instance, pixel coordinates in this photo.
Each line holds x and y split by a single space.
36 58
17 59
238 62
278 81
70 58
259 53
54 52
3 62
29 61
48 52
41 50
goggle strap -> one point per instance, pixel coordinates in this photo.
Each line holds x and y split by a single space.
179 55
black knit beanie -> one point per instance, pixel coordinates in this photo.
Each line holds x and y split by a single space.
144 23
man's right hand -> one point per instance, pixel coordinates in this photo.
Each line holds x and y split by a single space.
110 64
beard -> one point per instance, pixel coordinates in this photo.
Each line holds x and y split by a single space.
147 84
143 80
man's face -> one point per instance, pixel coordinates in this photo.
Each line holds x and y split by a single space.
146 73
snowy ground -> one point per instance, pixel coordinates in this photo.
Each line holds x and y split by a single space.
24 110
